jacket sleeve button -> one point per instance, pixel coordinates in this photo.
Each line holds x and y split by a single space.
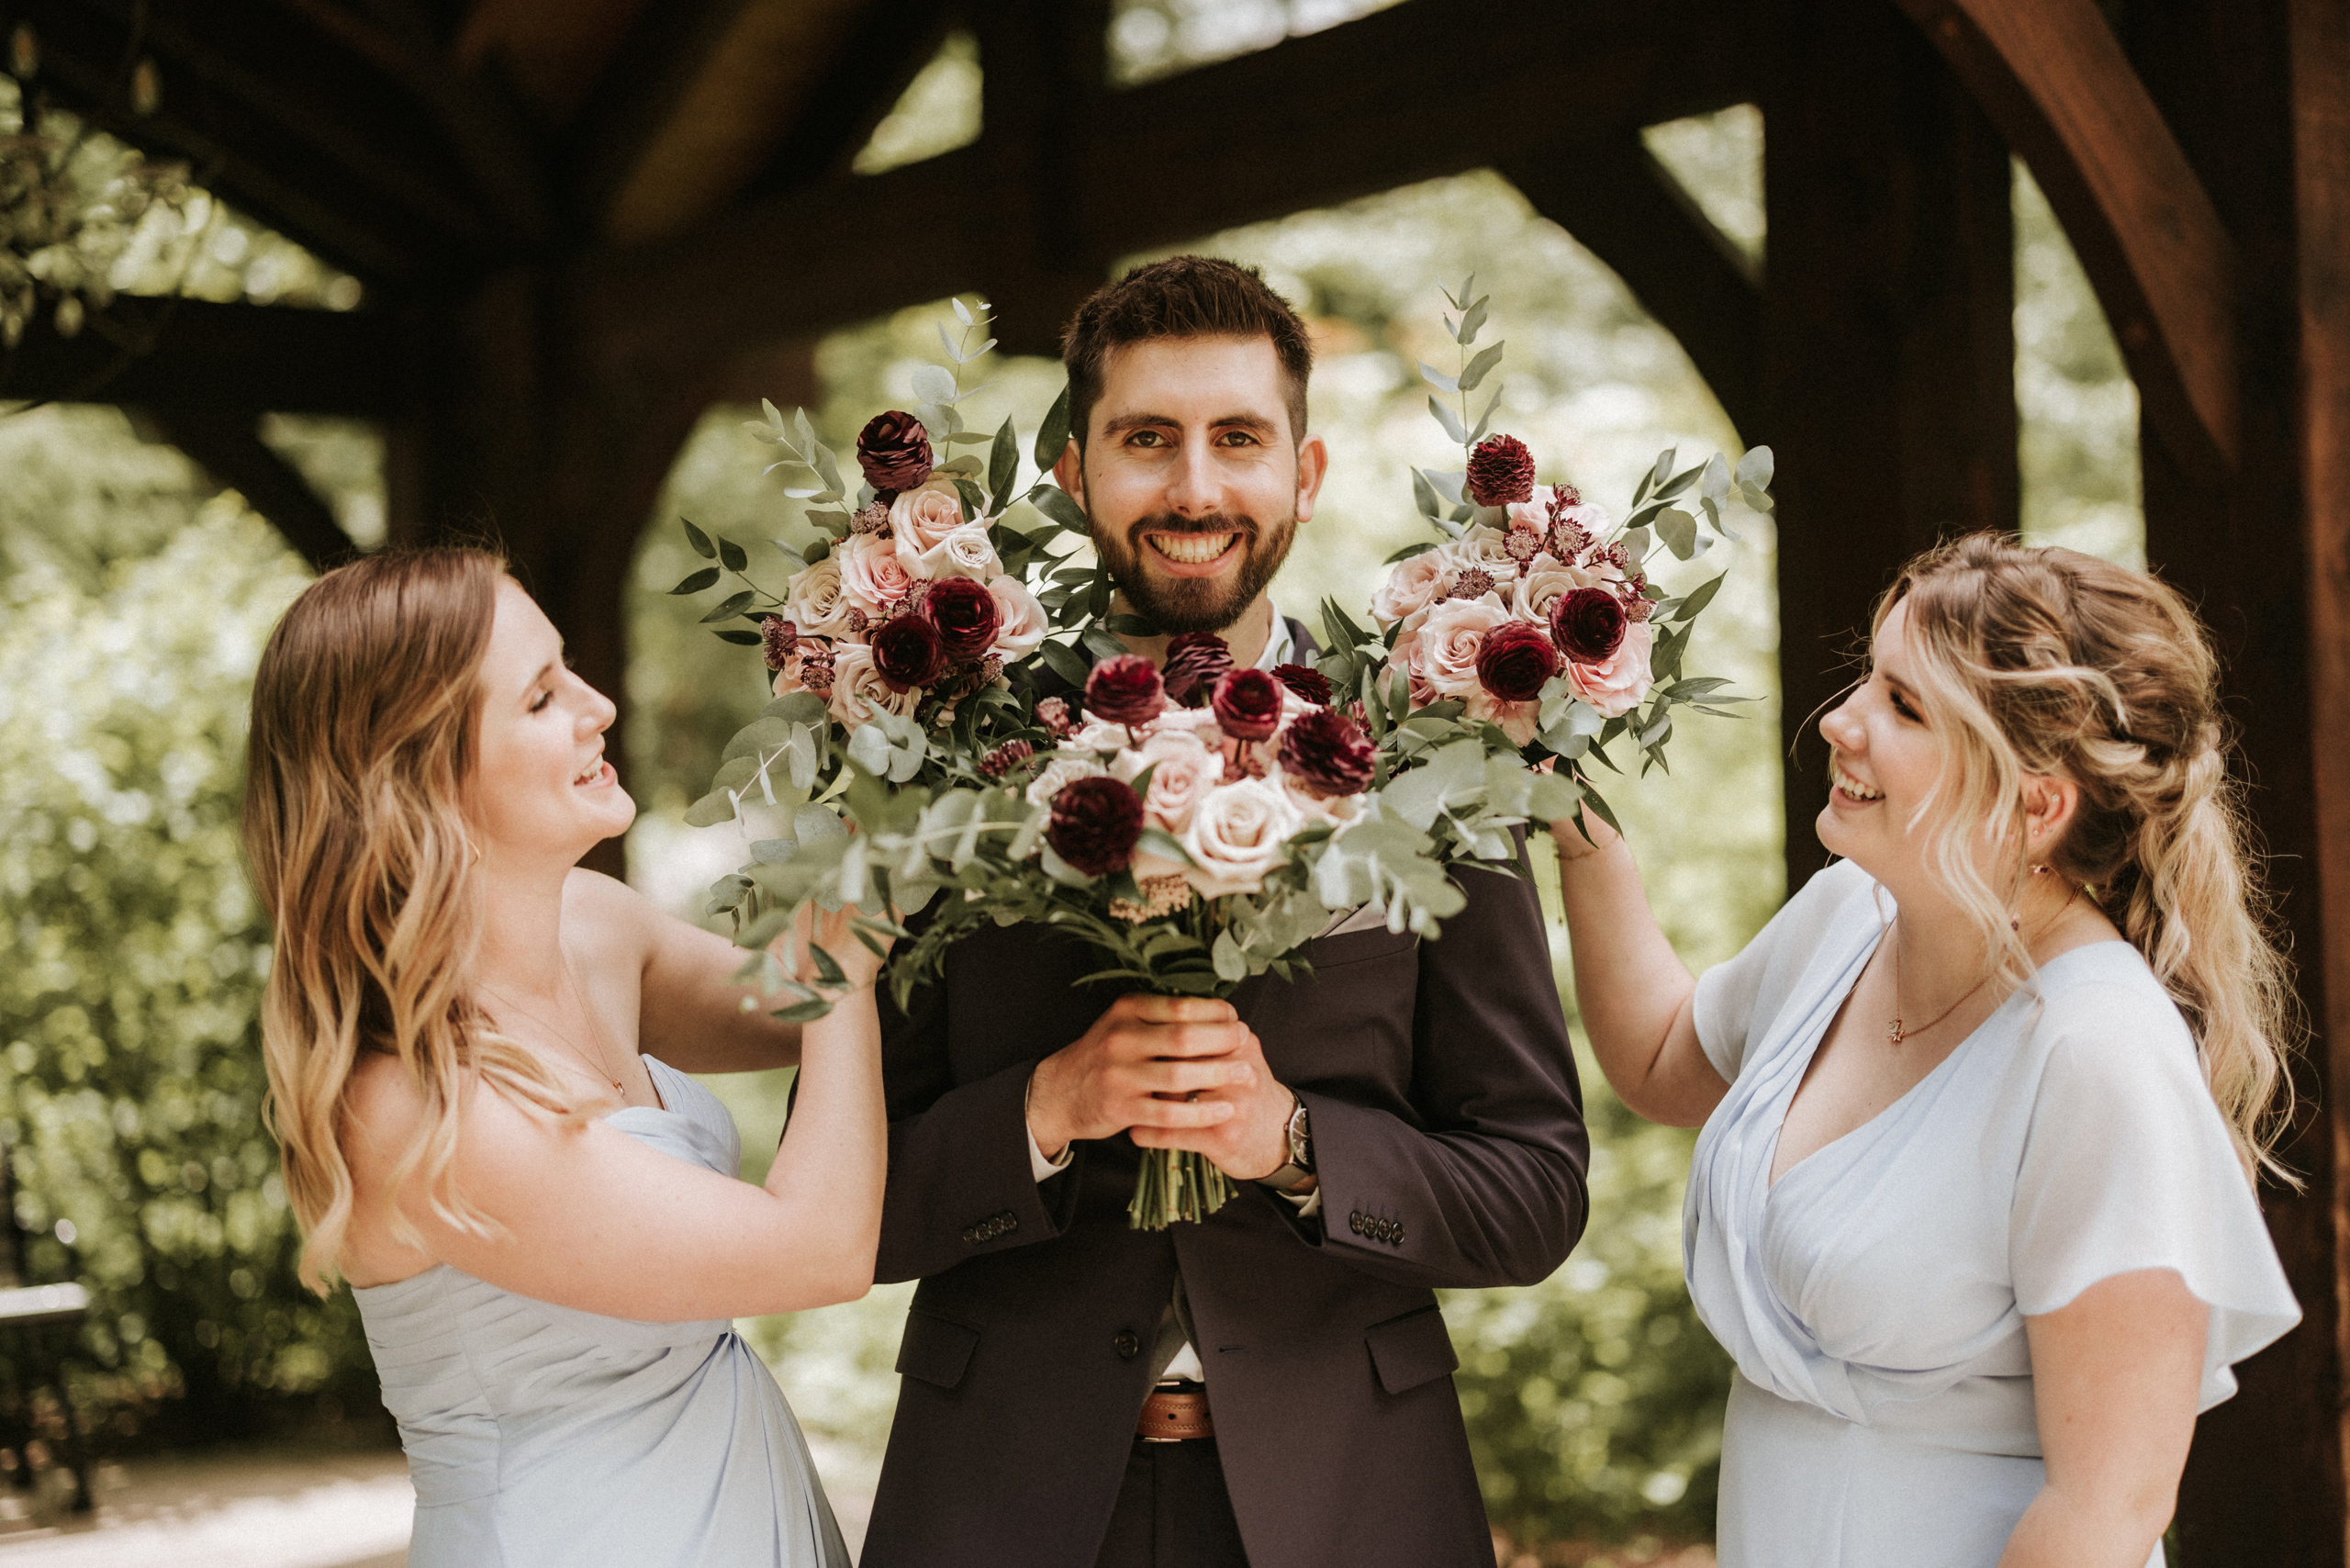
1128 1344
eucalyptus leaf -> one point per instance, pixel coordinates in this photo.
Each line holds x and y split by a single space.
1679 531
699 541
1449 420
1479 367
932 383
1485 420
1470 324
731 554
737 636
1756 468
1439 379
698 581
733 605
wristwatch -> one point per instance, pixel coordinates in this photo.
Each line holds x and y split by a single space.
1301 1153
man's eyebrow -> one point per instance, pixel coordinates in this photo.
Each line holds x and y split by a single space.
1255 423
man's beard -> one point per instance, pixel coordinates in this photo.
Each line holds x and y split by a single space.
1194 604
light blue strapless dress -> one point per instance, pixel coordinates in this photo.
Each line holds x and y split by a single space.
542 1435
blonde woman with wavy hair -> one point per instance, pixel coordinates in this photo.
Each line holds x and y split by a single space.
474 1053
1984 1104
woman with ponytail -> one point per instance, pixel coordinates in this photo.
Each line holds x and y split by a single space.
1986 1103
474 1052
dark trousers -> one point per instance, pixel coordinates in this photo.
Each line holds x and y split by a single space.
1173 1511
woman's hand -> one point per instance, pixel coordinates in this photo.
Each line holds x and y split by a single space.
835 932
1584 835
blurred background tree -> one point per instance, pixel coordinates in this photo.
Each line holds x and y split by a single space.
133 600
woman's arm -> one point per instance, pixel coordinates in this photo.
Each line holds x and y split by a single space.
1636 995
587 1216
690 1006
2115 1375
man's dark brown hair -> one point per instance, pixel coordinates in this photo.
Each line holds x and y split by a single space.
1182 296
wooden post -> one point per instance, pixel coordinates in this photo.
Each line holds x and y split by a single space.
2265 1481
1888 376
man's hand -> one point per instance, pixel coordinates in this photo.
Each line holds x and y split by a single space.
1149 1063
1252 1142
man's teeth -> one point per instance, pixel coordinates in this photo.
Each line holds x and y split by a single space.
1192 549
1854 787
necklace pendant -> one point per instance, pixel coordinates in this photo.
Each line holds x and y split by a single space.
1895 1033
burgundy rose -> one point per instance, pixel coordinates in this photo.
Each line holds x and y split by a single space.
1248 704
1514 660
907 652
1194 662
1052 713
1306 681
1328 754
1096 823
1587 624
780 637
965 614
894 451
1501 471
1125 690
1004 758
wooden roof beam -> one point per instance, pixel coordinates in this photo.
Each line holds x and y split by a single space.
1614 197
648 78
226 445
289 125
2053 78
1345 113
188 352
886 50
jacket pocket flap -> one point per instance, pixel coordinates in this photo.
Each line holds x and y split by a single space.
936 1349
1410 1350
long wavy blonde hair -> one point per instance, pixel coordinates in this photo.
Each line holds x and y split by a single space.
2050 662
362 744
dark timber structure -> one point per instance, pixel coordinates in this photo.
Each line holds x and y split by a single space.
582 221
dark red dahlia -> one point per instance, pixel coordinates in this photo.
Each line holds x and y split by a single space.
1052 715
1248 704
965 614
780 637
1004 758
1586 624
894 451
907 652
1501 471
1125 690
1195 660
1095 825
1514 660
1329 754
1306 681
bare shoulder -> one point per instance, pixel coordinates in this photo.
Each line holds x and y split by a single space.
610 921
387 1110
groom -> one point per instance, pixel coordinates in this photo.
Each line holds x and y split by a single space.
1273 1385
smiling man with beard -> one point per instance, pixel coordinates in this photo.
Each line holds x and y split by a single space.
1271 1385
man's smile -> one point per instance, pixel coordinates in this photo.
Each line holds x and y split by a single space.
1193 554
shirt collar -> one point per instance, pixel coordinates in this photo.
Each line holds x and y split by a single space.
1281 648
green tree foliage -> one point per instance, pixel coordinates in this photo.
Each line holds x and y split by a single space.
132 951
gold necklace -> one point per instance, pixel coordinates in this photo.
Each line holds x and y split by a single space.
1896 1033
601 1063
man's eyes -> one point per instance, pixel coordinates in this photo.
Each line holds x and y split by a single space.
1159 439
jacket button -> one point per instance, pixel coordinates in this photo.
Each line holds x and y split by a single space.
1354 1222
1128 1344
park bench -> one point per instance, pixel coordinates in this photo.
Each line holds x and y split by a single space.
42 1325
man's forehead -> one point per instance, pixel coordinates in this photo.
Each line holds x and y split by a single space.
1182 378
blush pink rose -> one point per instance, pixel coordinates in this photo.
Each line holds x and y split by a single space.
1061 771
1239 834
1411 587
961 553
1024 624
1442 651
1545 578
872 579
927 514
1486 549
1617 684
815 602
858 690
1183 771
1521 722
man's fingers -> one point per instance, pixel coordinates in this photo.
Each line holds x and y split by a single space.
1178 1114
1189 1077
1145 1008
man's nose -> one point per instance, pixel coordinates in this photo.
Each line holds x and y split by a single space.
1193 488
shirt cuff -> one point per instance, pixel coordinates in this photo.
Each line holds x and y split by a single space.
1045 1170
1308 1204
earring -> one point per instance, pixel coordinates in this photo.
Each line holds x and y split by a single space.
2039 870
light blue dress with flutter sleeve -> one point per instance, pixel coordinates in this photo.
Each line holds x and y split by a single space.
1874 1297
539 1435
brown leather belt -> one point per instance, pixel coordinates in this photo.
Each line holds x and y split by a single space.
1171 1414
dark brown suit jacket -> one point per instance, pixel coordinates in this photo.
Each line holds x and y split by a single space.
1448 1131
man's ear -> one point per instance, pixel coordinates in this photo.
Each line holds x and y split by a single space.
1069 472
1312 463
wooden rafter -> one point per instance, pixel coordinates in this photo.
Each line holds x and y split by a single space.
1333 116
885 50
1614 197
225 443
2054 77
187 351
647 80
294 126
